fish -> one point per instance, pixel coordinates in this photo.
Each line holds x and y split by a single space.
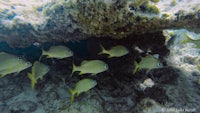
199 81
189 39
116 51
58 52
90 66
37 72
83 85
148 63
8 60
16 69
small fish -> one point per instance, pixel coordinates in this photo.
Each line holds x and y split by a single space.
8 60
148 62
191 40
92 66
58 52
16 69
38 71
83 85
116 51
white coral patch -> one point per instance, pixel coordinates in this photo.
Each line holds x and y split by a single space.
14 12
187 6
184 56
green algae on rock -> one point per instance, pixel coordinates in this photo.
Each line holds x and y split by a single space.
71 20
117 19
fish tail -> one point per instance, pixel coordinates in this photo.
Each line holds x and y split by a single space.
43 53
74 68
32 78
72 92
40 57
136 67
103 50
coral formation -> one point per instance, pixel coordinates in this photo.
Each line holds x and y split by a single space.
184 56
71 20
117 19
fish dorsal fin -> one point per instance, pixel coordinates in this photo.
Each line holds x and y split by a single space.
84 62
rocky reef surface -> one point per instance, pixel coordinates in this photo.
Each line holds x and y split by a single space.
34 22
145 27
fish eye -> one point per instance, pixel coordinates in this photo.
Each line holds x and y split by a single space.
159 64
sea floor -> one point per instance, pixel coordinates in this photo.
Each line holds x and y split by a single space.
117 90
172 92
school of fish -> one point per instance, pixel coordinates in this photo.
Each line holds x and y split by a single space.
12 64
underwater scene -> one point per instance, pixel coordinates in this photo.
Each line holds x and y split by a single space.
99 56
